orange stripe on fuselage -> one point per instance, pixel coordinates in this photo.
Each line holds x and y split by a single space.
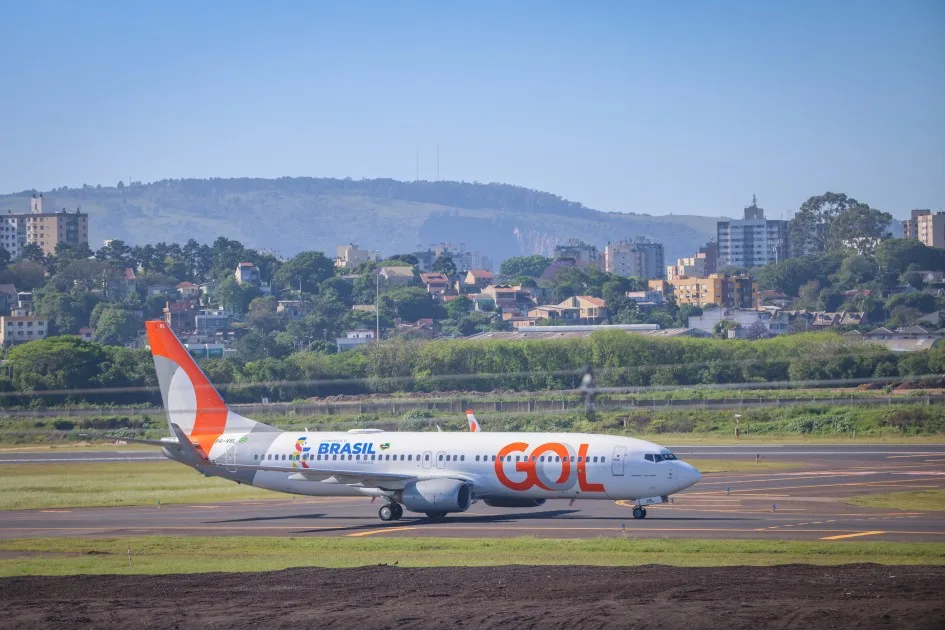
210 421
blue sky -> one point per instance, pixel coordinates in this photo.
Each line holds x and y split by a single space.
682 107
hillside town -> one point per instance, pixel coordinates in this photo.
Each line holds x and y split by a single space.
750 282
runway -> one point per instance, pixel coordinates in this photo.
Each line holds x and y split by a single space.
800 504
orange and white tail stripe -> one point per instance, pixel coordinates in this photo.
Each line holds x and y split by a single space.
473 423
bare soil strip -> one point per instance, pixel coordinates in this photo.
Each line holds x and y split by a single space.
521 597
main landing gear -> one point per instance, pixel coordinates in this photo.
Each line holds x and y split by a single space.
639 512
390 512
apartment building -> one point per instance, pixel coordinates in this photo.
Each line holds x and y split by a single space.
723 291
350 256
584 255
926 226
702 264
45 229
22 328
752 241
641 258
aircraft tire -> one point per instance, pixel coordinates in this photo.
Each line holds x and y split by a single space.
386 513
398 511
639 512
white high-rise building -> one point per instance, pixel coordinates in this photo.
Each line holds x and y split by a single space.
643 259
753 241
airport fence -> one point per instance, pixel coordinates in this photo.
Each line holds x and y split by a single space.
458 407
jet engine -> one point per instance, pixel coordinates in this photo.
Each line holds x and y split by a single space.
514 503
435 496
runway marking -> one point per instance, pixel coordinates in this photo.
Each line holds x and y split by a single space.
913 455
856 535
204 507
55 511
380 531
830 485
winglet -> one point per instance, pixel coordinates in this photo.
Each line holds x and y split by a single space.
473 423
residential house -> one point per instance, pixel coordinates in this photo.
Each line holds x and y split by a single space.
162 290
247 273
208 322
188 291
291 309
823 319
85 334
354 338
910 339
556 313
436 283
425 328
124 286
365 308
646 300
180 315
8 298
397 276
22 328
206 350
774 322
516 300
480 278
591 310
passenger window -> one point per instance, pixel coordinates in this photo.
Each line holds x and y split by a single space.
462 458
477 458
557 459
603 459
580 460
401 458
426 458
440 457
493 458
334 457
572 459
595 459
409 458
283 457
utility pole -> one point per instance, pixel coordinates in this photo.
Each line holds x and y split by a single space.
377 307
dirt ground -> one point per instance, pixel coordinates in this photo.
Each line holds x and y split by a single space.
790 596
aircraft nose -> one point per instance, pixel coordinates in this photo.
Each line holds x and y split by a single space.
688 475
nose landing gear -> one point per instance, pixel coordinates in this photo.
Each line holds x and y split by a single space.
390 512
639 512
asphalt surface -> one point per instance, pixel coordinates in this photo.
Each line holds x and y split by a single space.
800 504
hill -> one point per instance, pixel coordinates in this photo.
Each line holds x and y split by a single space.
289 215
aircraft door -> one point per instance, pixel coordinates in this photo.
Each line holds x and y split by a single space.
229 457
620 454
440 459
427 459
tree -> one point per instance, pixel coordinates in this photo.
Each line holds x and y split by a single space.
115 326
5 259
33 253
532 266
832 221
305 270
118 253
231 295
412 303
262 314
788 275
458 308
896 255
24 275
56 363
445 265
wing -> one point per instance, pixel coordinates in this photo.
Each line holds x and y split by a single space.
366 478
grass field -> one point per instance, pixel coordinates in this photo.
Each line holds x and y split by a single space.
159 554
35 486
919 500
87 484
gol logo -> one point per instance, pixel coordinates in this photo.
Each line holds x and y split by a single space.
536 476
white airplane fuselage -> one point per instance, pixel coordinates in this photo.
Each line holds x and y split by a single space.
496 465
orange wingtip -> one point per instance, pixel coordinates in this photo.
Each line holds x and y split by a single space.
469 411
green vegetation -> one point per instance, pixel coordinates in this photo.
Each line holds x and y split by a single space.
158 554
919 500
40 486
812 421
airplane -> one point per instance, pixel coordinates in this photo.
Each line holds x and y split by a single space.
474 425
427 473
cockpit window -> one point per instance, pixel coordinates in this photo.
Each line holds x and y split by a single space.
668 456
654 457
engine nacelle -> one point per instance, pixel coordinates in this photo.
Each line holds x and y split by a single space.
435 495
514 503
